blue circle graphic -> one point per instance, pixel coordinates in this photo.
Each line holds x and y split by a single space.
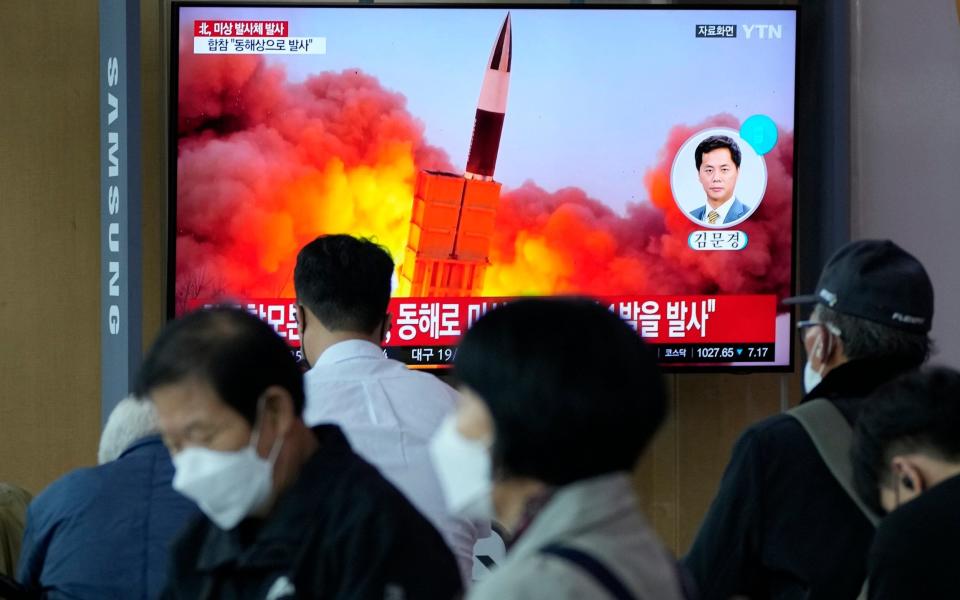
760 132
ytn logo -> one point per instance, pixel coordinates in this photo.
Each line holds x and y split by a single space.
763 32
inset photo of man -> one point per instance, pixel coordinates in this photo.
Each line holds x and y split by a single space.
729 181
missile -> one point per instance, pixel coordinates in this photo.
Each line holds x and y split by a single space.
491 108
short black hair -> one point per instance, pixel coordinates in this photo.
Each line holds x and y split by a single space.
917 412
715 142
572 389
865 339
234 352
344 281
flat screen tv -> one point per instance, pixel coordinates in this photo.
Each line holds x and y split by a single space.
642 156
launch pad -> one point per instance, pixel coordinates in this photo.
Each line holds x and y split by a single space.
450 230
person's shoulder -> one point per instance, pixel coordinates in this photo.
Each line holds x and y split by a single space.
521 578
536 576
930 516
142 455
737 210
70 494
698 212
365 494
414 381
778 428
429 381
337 475
896 528
366 489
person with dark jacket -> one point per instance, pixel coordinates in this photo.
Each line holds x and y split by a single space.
906 457
289 512
105 532
781 526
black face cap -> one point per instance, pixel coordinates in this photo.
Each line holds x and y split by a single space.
878 281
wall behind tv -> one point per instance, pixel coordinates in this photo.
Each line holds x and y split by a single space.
906 142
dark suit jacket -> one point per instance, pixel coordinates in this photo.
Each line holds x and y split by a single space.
736 211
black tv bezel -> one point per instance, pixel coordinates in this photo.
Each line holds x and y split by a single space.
171 70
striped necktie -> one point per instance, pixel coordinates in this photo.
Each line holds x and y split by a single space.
712 217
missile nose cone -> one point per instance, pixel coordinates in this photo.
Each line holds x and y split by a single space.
491 108
502 54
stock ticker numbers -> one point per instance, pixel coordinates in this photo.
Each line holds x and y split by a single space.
715 353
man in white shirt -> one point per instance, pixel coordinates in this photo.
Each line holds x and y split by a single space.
388 412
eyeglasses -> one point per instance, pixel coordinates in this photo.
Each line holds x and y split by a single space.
804 325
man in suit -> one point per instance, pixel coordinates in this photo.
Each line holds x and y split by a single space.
718 165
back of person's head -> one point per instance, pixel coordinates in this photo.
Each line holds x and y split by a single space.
345 281
131 419
573 391
917 413
238 355
878 300
866 339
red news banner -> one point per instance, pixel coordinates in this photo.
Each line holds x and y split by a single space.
658 319
746 319
216 28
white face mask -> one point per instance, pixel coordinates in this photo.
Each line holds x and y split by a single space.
811 378
464 469
227 486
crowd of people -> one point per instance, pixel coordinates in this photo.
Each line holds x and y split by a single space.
232 473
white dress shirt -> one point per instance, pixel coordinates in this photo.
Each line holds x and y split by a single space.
389 413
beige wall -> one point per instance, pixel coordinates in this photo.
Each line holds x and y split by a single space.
678 478
49 263
50 228
905 106
49 239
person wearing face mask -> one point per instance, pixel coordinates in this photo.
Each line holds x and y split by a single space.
387 411
906 457
289 512
560 398
783 524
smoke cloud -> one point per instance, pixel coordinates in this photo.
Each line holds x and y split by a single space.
265 165
567 242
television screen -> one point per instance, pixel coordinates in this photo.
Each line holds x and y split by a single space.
640 156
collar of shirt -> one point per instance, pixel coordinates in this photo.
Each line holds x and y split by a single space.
149 440
348 350
722 210
856 378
